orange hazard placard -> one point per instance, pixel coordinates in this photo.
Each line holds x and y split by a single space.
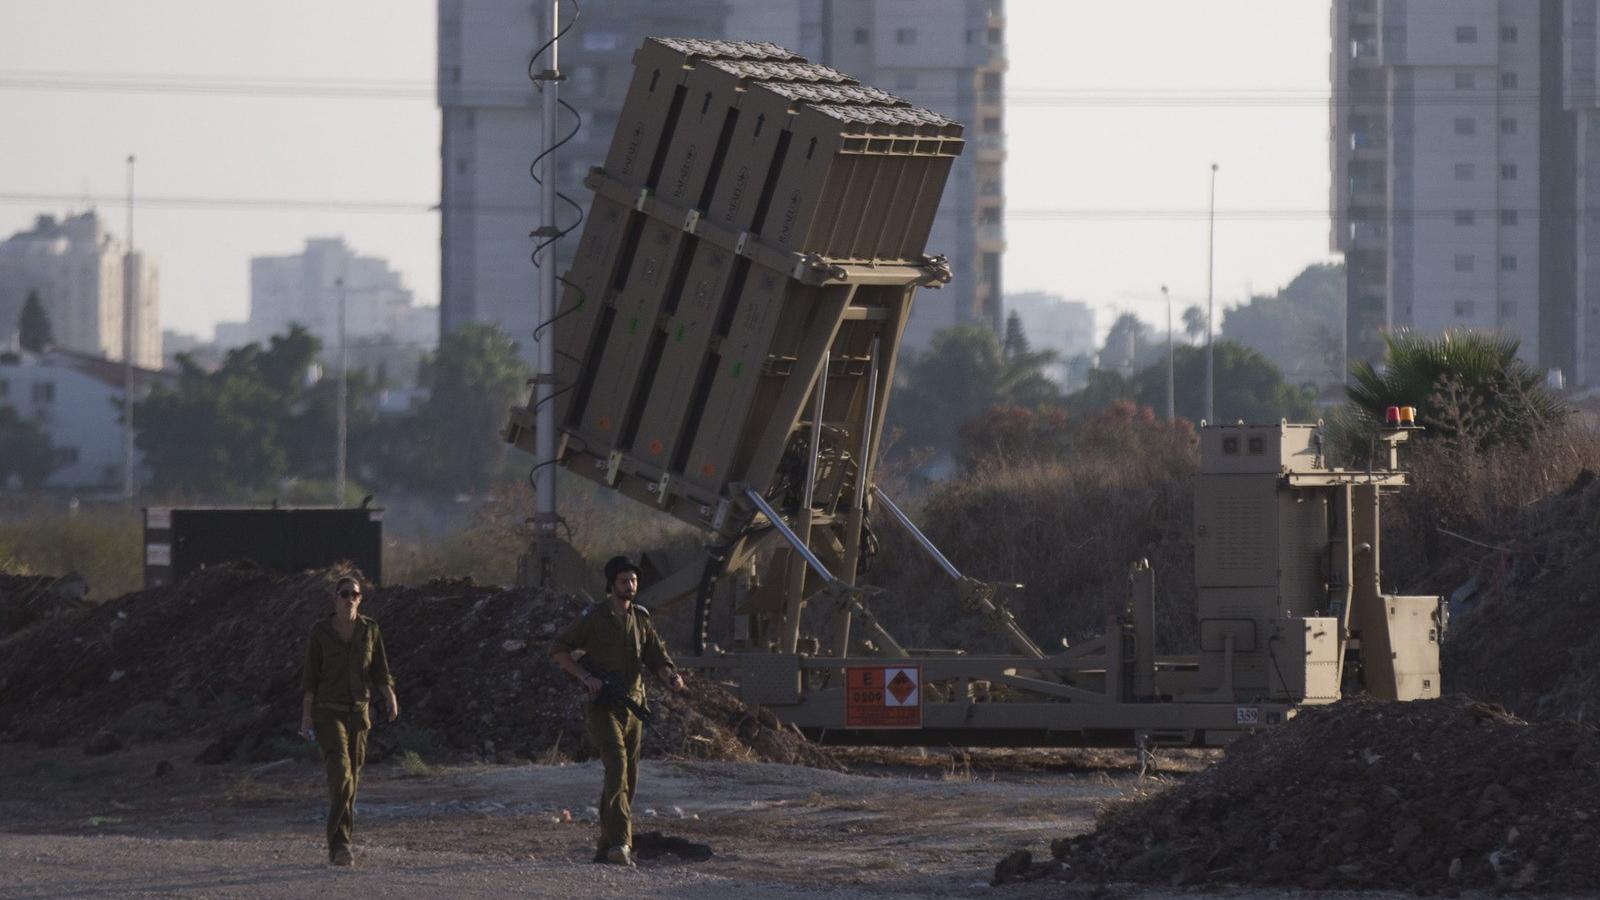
883 697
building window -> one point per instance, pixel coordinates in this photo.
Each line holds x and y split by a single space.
461 167
1508 263
905 35
1465 172
1465 262
44 392
5 387
905 81
1465 217
995 36
66 456
1508 309
1508 80
1465 309
1508 126
1508 217
863 36
991 125
1466 34
1465 81
1466 125
1508 34
1508 172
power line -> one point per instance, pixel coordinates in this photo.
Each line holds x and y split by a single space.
372 89
1097 214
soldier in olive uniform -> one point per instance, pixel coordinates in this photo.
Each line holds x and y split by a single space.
618 636
345 661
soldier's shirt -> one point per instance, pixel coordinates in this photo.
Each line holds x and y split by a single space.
622 647
344 672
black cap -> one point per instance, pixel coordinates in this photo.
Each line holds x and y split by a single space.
616 565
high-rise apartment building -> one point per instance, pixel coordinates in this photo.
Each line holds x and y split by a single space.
306 288
1460 137
76 268
947 55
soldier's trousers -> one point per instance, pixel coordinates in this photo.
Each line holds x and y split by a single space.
616 734
342 737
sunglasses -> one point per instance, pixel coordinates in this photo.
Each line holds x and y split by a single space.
347 593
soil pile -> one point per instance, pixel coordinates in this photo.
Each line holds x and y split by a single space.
1427 796
219 655
1524 626
28 599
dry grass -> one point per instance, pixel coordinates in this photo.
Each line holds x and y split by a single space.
104 545
1474 495
1066 529
599 523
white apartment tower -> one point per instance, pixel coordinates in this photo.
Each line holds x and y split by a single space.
1461 132
947 55
306 288
76 268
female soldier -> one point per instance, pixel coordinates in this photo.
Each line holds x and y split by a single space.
344 661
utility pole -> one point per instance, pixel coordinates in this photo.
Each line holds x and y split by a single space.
130 290
1211 306
344 398
1171 407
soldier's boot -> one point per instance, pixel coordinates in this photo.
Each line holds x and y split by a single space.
621 855
343 857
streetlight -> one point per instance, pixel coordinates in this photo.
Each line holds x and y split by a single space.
1171 416
342 413
130 289
1211 256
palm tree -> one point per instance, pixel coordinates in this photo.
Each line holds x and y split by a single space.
1468 387
1194 323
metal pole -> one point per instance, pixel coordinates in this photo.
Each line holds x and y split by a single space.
788 534
866 427
816 440
344 399
933 551
130 290
544 339
1171 412
1211 254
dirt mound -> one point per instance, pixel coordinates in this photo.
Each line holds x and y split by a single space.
1427 796
28 599
220 655
1524 622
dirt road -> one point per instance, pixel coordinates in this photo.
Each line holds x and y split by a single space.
110 826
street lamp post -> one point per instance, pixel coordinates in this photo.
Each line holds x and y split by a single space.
339 456
1171 411
1211 309
130 290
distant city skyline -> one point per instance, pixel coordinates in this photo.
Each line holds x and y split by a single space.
318 118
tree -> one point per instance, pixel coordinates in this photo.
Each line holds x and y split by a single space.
1469 388
25 451
452 442
1299 328
33 326
964 372
1016 339
1194 323
218 432
1248 387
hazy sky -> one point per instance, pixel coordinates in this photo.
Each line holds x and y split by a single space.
1117 110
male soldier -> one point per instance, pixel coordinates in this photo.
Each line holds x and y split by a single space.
619 638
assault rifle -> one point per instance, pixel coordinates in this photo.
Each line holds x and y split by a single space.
612 693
